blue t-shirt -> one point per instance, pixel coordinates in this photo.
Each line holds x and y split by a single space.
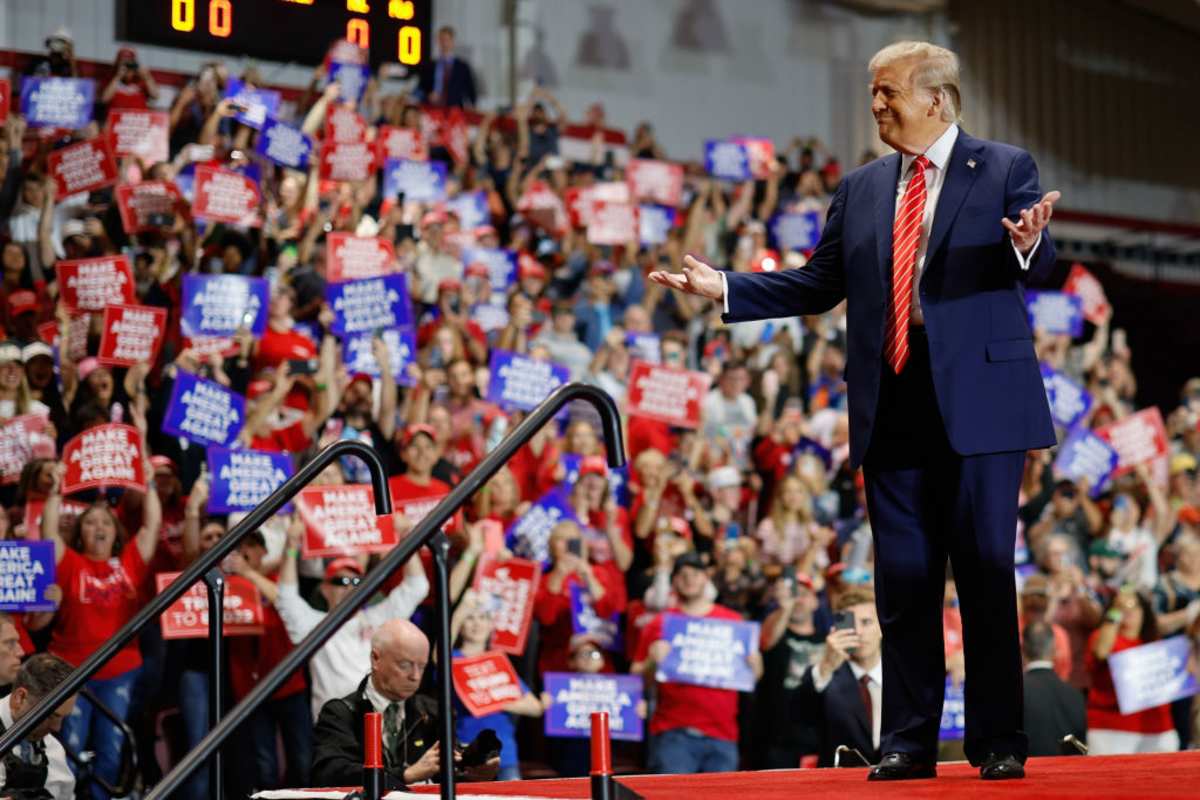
467 727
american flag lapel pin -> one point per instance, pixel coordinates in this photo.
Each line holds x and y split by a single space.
971 163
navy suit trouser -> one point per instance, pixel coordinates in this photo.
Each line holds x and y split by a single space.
927 503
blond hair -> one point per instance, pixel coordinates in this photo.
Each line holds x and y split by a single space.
936 71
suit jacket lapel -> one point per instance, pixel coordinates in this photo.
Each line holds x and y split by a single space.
887 176
853 700
966 161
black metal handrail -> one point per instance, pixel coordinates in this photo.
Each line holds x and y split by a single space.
129 759
196 572
426 532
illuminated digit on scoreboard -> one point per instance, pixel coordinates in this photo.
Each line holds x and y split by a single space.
359 32
220 18
400 9
358 6
183 15
409 50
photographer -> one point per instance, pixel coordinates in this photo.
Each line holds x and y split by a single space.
131 86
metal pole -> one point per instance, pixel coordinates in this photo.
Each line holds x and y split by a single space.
214 580
440 545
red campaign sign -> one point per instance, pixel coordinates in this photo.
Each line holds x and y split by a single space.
350 257
68 510
204 347
578 200
415 509
761 153
82 167
485 683
344 125
448 128
1138 439
90 284
225 196
666 394
350 161
653 181
80 325
509 588
402 143
22 439
141 203
340 520
106 455
132 334
187 617
541 206
612 223
142 134
5 99
1083 284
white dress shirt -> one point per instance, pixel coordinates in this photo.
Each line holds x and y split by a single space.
60 781
938 154
874 687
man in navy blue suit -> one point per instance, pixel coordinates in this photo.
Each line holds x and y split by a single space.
930 248
447 80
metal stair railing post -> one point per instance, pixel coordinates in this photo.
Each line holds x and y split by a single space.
416 538
214 581
440 545
224 546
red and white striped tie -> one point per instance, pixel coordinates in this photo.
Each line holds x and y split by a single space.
906 233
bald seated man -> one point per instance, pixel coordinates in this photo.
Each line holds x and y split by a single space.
411 753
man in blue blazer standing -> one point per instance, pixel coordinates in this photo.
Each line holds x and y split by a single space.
930 247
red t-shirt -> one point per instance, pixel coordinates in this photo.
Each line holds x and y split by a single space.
713 712
99 597
534 471
646 433
553 612
291 439
1102 710
416 501
275 347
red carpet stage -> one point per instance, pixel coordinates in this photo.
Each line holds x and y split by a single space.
1160 775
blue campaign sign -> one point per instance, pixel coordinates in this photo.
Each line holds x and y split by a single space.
57 102
26 569
370 304
352 78
644 347
575 696
1086 455
730 160
1069 401
529 535
797 231
706 651
284 144
217 305
241 479
954 712
1055 312
471 209
1152 674
521 382
606 631
501 264
257 104
655 223
358 353
204 412
424 181
489 316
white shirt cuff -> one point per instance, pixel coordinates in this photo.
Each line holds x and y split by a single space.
724 292
820 682
1024 260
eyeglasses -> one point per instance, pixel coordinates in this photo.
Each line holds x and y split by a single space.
590 654
345 580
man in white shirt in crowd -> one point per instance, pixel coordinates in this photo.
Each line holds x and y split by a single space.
38 763
338 667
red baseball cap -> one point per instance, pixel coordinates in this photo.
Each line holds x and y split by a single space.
22 302
528 267
593 465
361 376
449 285
343 563
477 269
163 462
256 388
412 430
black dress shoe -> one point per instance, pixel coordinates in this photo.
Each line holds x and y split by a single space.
1001 768
901 767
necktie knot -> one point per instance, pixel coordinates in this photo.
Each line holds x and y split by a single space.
920 164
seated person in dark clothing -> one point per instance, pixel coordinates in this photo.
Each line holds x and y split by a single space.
1053 708
411 753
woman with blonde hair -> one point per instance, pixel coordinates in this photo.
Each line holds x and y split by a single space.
790 535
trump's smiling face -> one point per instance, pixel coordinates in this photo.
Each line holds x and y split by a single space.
909 118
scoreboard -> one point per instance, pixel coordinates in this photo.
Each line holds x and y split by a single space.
299 31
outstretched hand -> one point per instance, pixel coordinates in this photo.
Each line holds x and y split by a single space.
1028 229
696 278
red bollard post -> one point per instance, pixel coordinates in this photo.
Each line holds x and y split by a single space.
601 776
374 784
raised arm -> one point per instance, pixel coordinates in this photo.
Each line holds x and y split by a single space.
50 513
147 535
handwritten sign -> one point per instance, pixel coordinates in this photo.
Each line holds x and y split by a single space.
1055 312
1138 439
509 588
284 144
21 438
26 570
90 284
667 394
348 161
1085 455
1069 401
358 353
340 520
131 334
575 696
218 305
350 258
659 182
1085 286
423 181
204 412
242 479
485 683
222 195
1152 674
370 304
57 102
529 535
187 617
520 382
148 206
106 455
706 651
139 133
83 167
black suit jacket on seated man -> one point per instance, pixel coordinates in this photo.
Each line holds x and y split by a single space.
842 717
338 737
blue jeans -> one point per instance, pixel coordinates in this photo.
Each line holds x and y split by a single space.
682 751
193 708
293 719
88 729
